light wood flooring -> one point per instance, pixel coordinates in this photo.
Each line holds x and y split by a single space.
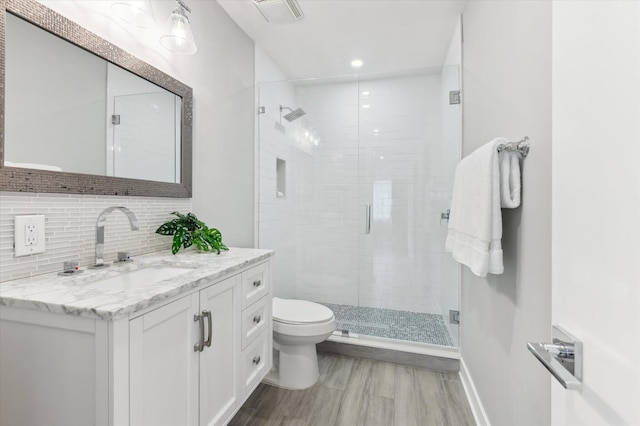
356 391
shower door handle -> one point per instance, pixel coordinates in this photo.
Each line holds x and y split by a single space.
368 219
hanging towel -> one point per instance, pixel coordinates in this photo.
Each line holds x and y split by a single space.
509 179
475 221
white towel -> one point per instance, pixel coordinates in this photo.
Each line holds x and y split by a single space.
475 221
509 179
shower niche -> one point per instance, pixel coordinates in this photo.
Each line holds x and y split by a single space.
281 178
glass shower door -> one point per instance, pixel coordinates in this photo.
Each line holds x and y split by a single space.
405 278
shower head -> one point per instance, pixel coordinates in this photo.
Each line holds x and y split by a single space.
293 115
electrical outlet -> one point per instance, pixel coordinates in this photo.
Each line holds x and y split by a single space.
28 235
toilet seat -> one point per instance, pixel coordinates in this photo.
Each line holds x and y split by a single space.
300 312
301 318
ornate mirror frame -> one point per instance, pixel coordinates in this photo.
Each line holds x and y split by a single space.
15 179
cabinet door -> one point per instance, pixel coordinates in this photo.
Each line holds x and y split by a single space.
219 362
164 365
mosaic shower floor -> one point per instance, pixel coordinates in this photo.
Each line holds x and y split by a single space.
392 324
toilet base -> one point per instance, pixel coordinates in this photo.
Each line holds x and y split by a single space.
297 367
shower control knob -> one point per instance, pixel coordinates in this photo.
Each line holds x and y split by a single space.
257 319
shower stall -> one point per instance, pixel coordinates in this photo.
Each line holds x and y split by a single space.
355 179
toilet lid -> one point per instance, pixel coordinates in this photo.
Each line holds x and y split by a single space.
293 311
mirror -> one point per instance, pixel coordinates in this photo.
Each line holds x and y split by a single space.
82 116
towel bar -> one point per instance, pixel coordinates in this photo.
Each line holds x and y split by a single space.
521 147
563 357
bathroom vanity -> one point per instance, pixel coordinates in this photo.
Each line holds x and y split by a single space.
163 340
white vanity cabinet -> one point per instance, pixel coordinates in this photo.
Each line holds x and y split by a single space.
175 381
146 368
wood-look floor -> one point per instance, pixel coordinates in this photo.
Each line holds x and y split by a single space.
355 391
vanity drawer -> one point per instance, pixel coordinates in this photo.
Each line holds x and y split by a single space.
254 284
255 361
255 319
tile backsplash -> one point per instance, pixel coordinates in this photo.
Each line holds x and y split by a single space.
70 229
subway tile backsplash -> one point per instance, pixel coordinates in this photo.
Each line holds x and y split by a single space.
70 229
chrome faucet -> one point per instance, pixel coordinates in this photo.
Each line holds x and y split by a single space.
102 218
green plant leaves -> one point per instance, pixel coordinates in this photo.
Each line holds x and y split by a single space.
168 228
187 230
178 239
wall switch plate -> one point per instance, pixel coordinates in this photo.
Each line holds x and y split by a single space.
28 234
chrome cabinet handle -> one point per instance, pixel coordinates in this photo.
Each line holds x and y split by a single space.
257 319
256 360
207 315
199 347
257 283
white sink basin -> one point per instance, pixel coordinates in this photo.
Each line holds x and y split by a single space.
139 278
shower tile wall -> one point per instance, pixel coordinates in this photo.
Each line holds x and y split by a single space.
277 214
327 209
70 222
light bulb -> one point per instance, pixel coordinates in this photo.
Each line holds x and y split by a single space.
178 37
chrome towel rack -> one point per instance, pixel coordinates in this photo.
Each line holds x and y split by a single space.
521 147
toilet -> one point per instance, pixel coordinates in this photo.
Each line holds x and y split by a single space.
297 326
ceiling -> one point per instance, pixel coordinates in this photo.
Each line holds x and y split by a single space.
388 35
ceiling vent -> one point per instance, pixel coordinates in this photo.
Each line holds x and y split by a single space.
279 11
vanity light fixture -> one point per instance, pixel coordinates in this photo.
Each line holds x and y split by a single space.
135 12
178 37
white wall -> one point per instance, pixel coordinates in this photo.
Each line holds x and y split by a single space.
507 92
221 74
596 206
223 157
266 69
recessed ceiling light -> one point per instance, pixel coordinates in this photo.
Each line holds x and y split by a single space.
366 106
365 93
357 63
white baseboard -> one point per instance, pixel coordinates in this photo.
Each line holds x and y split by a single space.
477 409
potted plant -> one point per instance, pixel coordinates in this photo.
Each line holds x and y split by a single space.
187 230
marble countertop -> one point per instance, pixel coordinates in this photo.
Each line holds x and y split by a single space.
83 295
